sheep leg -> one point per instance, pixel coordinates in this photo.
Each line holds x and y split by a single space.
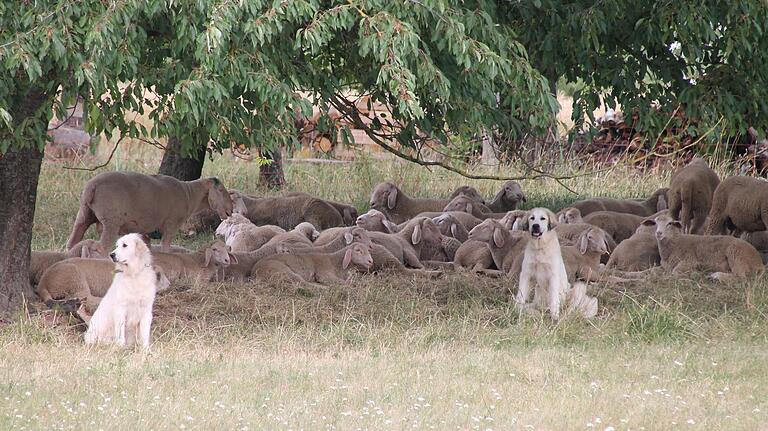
491 273
433 264
686 216
724 277
109 235
410 259
85 218
699 217
684 267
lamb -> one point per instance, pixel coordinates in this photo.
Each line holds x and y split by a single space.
348 212
126 202
83 279
656 202
690 194
243 236
582 261
619 226
399 207
728 258
315 268
475 255
507 198
637 253
569 215
740 204
40 261
200 266
375 221
288 211
464 204
451 226
505 245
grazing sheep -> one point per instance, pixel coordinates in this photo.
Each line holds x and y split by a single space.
288 211
202 265
469 192
637 253
740 204
42 260
644 208
399 207
315 268
619 226
348 212
582 261
569 215
507 198
728 258
375 221
690 195
243 236
83 279
126 202
505 245
475 255
451 226
465 204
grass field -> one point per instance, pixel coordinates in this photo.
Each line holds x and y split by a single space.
394 353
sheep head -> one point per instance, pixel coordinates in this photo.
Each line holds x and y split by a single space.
219 199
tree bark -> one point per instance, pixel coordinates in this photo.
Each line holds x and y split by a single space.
19 173
176 165
272 174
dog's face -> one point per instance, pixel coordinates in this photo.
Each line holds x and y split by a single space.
131 252
540 221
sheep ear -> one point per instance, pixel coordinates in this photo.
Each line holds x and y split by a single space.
347 259
561 217
348 237
498 238
676 224
392 198
523 198
208 255
469 207
584 244
232 258
85 252
661 204
389 226
649 222
454 229
416 235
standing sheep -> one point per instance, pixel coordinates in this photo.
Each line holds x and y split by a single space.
740 204
126 202
398 206
690 195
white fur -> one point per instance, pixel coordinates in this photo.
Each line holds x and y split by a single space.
124 316
543 265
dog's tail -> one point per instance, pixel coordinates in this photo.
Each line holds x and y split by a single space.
580 302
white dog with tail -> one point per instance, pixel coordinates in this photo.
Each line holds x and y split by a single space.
543 266
124 316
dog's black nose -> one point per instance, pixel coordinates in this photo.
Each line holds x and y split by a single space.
112 256
535 228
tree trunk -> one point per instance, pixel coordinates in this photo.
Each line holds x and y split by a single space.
176 165
19 173
272 174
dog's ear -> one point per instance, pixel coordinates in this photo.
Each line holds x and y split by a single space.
392 198
498 238
208 256
142 246
347 258
416 235
584 242
552 219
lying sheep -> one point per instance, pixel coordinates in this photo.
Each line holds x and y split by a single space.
40 261
759 240
288 211
468 220
451 226
375 221
619 226
474 255
86 280
243 236
348 212
314 268
728 258
505 245
569 215
508 198
126 202
569 233
740 204
469 192
655 203
582 261
690 194
203 265
350 235
637 253
399 207
464 204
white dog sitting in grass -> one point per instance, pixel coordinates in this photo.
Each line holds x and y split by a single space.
543 266
124 316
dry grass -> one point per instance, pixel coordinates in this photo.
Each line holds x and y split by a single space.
388 352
